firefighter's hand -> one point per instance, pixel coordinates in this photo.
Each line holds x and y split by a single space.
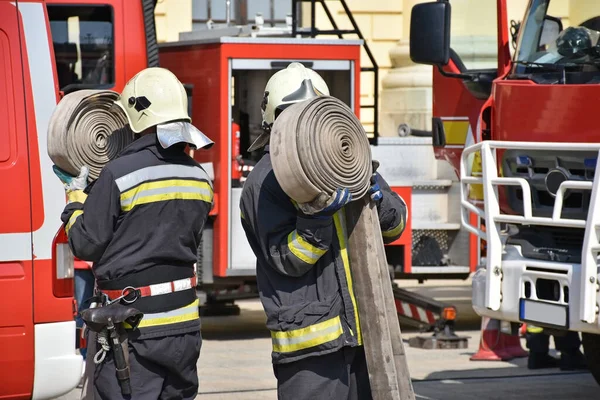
325 206
74 185
375 191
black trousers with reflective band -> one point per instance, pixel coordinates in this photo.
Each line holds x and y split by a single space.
338 376
160 368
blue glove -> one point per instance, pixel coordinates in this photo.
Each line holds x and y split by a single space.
375 190
74 185
324 207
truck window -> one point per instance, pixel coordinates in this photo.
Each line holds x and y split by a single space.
551 50
83 46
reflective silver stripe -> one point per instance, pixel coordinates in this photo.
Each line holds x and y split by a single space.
308 336
134 178
304 250
170 189
175 313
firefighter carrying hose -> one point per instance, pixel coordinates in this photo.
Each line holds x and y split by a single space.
140 224
302 269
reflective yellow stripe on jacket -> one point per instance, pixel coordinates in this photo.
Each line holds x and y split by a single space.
339 220
394 231
162 183
183 314
72 219
302 249
172 189
311 336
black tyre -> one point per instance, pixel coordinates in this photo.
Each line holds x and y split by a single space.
591 349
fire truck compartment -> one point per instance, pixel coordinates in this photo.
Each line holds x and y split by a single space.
225 79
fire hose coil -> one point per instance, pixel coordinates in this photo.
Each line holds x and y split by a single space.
317 146
87 129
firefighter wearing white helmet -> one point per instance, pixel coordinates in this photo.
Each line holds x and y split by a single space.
140 223
156 98
292 85
301 268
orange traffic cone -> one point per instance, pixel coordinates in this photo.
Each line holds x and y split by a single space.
512 345
491 345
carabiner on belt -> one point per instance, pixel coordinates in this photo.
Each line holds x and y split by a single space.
124 293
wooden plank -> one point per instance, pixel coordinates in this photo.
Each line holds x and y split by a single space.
386 359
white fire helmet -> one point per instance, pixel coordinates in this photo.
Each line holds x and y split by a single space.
155 97
293 84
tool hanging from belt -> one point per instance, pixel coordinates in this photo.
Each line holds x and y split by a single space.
107 321
131 294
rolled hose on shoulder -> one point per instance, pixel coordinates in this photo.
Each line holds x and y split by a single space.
87 129
318 146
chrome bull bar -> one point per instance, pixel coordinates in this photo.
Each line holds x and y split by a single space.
490 211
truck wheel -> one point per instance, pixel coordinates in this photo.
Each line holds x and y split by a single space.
591 349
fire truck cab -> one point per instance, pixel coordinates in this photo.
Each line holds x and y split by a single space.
529 189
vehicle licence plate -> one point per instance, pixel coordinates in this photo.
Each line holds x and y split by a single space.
544 314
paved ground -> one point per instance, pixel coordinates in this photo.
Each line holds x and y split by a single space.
235 364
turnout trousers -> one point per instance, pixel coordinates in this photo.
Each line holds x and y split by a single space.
160 368
341 375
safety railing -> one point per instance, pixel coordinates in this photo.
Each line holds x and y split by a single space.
490 179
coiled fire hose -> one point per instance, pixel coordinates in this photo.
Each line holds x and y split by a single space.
316 147
86 128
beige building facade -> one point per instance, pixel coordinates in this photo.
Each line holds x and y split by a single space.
405 88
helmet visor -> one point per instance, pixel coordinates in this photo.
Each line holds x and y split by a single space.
182 132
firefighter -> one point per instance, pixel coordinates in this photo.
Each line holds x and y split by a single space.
302 267
140 224
538 343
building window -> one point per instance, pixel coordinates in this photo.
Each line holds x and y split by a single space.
274 12
83 46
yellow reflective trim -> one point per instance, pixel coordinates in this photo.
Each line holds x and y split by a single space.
286 348
72 219
337 219
310 333
165 184
313 249
307 258
456 131
242 214
395 231
192 315
309 329
169 320
534 329
76 196
167 196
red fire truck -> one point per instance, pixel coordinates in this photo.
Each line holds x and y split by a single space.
528 173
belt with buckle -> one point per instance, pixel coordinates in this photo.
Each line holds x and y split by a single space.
131 294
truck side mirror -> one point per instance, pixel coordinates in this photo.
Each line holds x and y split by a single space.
430 33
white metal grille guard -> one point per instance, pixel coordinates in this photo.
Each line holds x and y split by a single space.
491 212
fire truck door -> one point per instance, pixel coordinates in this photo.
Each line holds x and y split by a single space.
16 275
460 114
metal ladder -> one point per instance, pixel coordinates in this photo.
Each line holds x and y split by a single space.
313 31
